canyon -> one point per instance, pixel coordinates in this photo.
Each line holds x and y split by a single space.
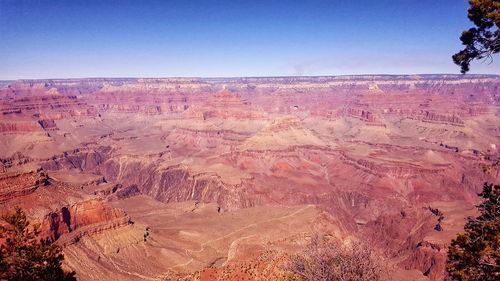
222 178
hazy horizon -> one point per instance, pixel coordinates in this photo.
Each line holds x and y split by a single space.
115 39
238 77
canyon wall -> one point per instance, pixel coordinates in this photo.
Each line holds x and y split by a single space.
392 160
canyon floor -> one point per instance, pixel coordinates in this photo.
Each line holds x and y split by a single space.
223 178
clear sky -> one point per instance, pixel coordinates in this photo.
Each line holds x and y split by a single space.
63 39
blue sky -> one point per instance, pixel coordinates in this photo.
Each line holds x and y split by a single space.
62 39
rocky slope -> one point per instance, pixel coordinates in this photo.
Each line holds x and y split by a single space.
134 169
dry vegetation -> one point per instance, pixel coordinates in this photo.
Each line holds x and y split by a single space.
325 260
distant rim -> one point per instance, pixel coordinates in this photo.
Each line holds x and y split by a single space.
449 75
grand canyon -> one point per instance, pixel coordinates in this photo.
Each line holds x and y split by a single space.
222 178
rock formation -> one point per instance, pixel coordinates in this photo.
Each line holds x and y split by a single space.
154 178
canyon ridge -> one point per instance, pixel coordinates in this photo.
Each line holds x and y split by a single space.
222 178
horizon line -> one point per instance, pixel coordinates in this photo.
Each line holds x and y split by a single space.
240 77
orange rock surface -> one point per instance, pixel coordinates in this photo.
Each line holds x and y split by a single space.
187 178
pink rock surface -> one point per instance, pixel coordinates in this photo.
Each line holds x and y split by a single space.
384 159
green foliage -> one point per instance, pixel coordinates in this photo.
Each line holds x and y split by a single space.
23 256
483 40
475 254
